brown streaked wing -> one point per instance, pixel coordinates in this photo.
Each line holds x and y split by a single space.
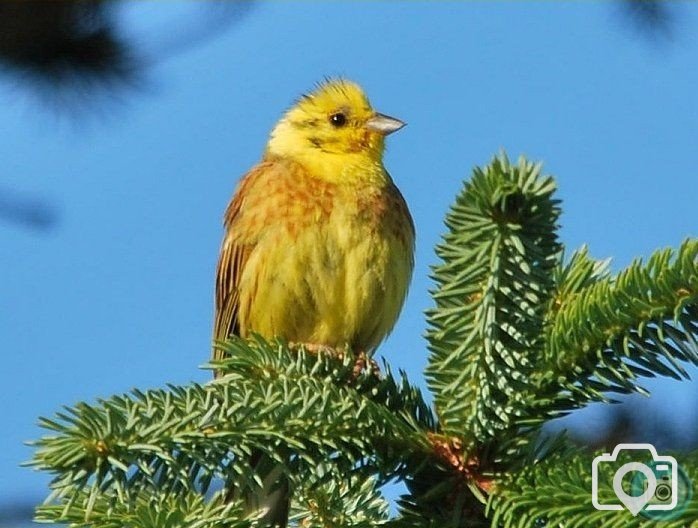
235 251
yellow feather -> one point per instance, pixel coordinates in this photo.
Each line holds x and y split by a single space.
348 154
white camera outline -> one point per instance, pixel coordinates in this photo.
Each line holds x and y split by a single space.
612 457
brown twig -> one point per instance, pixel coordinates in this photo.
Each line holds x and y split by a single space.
450 450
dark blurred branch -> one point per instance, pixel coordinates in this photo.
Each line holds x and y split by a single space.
26 211
73 49
654 18
16 514
640 421
64 43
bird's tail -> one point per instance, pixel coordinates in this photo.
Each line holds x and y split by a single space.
270 502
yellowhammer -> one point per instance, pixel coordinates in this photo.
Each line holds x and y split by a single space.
319 242
318 248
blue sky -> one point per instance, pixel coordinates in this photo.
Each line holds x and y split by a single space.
119 294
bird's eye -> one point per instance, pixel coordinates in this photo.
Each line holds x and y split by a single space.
338 119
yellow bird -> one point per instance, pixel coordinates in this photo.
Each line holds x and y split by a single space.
319 242
319 245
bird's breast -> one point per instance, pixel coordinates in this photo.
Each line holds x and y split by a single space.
332 266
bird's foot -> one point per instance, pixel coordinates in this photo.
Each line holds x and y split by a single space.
365 363
318 349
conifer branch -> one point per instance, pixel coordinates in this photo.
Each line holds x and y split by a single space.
605 333
180 441
555 491
493 288
624 315
153 510
262 360
354 502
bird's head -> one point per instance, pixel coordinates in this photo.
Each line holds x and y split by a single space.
332 126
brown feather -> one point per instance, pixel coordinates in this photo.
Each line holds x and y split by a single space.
234 253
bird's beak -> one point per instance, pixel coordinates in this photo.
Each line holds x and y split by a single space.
384 124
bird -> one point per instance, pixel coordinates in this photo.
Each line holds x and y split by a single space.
319 242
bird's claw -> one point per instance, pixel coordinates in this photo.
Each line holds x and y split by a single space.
365 363
317 349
